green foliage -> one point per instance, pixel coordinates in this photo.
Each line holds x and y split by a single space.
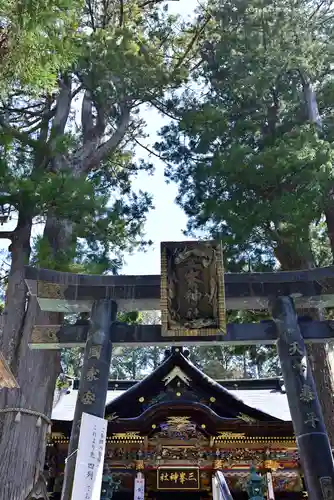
71 361
56 164
251 169
252 164
38 39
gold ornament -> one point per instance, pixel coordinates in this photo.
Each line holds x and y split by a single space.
178 422
139 464
231 435
246 418
141 400
271 465
129 436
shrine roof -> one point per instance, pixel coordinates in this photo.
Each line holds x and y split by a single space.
262 399
266 400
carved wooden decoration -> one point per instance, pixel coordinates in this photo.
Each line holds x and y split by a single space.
45 335
192 289
47 290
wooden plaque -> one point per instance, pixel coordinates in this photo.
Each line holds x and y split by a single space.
178 478
192 289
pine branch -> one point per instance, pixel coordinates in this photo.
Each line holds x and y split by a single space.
152 3
121 13
151 152
160 107
193 41
63 106
87 116
111 144
23 137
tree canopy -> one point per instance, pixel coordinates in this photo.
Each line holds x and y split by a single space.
37 40
251 164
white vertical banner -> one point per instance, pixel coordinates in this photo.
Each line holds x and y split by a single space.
90 458
139 489
270 490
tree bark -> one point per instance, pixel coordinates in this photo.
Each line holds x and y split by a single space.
320 355
23 444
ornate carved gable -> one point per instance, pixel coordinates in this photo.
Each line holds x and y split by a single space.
176 372
181 428
178 382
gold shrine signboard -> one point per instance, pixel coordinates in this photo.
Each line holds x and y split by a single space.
192 289
178 478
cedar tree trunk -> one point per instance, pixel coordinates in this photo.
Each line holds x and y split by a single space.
23 444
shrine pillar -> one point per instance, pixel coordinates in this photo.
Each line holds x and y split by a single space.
93 386
308 423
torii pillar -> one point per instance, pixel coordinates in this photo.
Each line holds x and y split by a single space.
312 440
94 380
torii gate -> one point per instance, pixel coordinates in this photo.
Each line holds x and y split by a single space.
192 297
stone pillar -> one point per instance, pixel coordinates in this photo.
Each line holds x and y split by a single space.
311 436
94 379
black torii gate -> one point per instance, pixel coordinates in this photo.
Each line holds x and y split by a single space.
192 296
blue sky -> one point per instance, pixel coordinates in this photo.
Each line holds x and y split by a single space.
167 220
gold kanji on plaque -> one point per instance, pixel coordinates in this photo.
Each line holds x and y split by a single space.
306 395
92 374
88 398
311 419
95 352
294 348
186 478
192 289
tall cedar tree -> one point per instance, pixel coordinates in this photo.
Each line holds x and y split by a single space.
67 159
251 148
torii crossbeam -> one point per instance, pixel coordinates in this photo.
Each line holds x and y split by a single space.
193 293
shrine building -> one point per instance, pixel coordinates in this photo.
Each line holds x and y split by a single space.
177 427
